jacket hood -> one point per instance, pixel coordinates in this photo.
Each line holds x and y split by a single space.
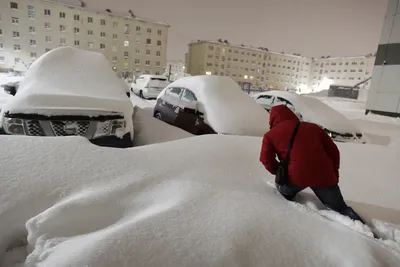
279 114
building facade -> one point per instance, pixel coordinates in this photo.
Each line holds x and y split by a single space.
384 95
175 69
271 70
30 28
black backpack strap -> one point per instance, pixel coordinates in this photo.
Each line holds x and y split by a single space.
287 160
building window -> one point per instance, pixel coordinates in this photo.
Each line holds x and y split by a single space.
114 59
47 50
148 30
114 48
15 20
115 24
32 42
115 36
62 15
138 28
158 63
148 41
147 63
102 46
15 35
126 28
76 17
13 5
32 29
147 52
31 12
90 32
126 55
47 12
89 20
138 40
90 44
17 47
1 46
76 43
2 60
102 22
126 43
137 51
159 32
158 53
62 28
63 41
158 43
137 61
48 39
33 55
1 32
103 34
47 25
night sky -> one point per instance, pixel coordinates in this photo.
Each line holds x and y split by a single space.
309 27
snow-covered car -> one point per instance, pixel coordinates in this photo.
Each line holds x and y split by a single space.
71 92
313 110
149 86
210 104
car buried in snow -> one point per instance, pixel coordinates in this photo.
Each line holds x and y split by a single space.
210 104
149 86
310 109
71 92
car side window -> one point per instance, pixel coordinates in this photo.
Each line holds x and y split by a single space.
264 96
286 102
189 96
174 91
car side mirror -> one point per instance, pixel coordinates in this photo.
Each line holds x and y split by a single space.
10 89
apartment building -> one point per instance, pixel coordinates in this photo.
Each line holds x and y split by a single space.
346 71
30 28
271 70
175 69
257 66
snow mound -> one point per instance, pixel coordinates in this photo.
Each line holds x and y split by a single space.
149 130
227 109
200 201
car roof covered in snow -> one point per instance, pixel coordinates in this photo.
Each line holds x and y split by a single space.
314 110
70 81
227 109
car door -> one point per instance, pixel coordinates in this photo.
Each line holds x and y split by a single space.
169 104
187 118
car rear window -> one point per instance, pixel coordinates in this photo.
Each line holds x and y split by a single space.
158 82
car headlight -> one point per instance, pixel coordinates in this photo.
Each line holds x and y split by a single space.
14 126
111 127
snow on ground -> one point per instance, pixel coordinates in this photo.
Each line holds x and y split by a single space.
227 109
199 201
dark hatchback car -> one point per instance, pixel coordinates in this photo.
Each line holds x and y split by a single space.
179 107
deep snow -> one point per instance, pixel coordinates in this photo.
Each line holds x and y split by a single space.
200 201
227 109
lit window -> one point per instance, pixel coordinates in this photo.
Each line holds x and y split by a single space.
62 15
103 22
47 12
62 28
76 17
89 20
31 12
148 30
102 46
15 34
32 29
17 47
14 20
32 42
33 55
126 43
47 25
90 44
103 34
13 5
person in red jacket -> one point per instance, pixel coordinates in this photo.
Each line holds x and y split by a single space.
314 159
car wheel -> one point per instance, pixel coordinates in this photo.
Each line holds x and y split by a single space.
141 94
158 116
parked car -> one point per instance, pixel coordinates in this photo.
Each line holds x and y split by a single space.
71 92
210 104
149 86
7 91
313 110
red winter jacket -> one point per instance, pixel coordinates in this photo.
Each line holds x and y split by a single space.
314 160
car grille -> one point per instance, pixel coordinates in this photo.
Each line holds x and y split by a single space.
68 128
34 128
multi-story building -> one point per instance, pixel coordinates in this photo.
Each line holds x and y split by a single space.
266 69
175 69
29 28
257 66
346 71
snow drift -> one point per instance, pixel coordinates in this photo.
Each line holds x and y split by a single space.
227 109
200 201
